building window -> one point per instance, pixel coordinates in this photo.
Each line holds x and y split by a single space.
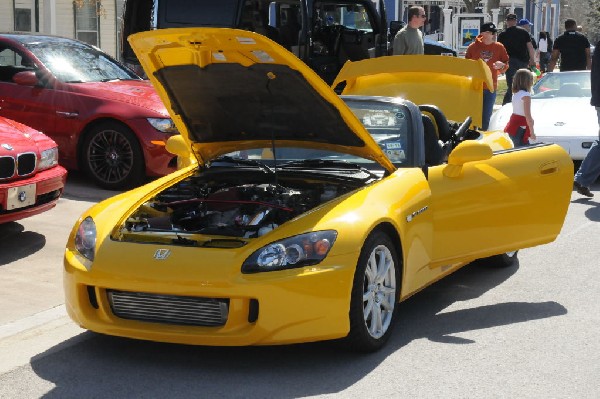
23 19
87 21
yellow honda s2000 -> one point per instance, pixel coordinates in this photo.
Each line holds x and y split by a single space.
303 216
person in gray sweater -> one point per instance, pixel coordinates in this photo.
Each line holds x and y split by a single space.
409 40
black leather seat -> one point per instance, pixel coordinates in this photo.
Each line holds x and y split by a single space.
439 119
434 151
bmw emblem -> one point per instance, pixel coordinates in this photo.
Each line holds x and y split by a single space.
7 147
22 196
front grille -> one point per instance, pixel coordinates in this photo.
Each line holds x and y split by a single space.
7 167
26 163
23 165
169 309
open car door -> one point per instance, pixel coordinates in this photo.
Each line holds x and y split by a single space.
498 202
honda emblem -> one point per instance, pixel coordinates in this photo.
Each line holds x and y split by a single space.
162 254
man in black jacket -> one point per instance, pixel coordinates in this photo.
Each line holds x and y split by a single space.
573 48
517 42
590 167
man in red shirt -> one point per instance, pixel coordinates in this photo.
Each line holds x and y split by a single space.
494 54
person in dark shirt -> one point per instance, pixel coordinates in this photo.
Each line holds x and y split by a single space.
526 24
517 42
573 48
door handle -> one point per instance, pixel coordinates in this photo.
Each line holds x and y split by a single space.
549 168
68 115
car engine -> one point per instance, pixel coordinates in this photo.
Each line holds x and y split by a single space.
231 205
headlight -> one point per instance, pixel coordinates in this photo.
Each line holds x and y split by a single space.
298 251
164 125
85 239
48 158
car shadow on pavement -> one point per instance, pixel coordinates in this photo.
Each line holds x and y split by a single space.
423 314
16 243
80 188
93 365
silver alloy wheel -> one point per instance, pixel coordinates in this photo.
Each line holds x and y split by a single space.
379 293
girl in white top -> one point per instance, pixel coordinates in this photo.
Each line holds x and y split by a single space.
520 124
544 50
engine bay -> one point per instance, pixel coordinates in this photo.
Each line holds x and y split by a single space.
236 203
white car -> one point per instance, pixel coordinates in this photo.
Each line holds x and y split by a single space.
560 106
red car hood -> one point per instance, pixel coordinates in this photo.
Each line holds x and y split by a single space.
21 138
139 93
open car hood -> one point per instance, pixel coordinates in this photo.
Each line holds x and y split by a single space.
229 90
454 84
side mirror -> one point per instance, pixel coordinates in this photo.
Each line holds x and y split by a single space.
26 78
467 151
176 145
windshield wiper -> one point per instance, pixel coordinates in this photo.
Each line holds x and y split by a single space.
241 161
320 163
317 162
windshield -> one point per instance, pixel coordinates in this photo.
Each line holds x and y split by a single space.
563 84
353 16
388 123
73 62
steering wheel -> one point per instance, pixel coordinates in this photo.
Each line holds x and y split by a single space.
461 133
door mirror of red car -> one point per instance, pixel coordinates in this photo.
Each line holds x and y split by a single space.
26 78
467 151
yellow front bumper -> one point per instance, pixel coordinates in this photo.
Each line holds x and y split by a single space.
299 305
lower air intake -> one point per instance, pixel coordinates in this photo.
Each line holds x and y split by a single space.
169 309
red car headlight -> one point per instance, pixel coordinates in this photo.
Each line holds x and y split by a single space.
48 158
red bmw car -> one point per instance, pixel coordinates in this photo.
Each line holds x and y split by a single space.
31 180
106 120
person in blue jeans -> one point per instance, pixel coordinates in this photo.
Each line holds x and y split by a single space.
486 48
590 167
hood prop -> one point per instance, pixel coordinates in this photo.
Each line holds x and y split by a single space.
271 76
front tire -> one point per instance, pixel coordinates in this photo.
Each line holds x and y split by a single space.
111 156
375 292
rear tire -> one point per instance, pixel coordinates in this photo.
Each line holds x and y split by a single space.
375 292
112 157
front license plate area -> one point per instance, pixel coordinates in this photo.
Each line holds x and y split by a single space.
20 197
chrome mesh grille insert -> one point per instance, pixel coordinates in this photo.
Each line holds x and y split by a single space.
169 309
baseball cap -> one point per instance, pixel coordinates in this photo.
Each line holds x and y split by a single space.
523 22
488 27
511 16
